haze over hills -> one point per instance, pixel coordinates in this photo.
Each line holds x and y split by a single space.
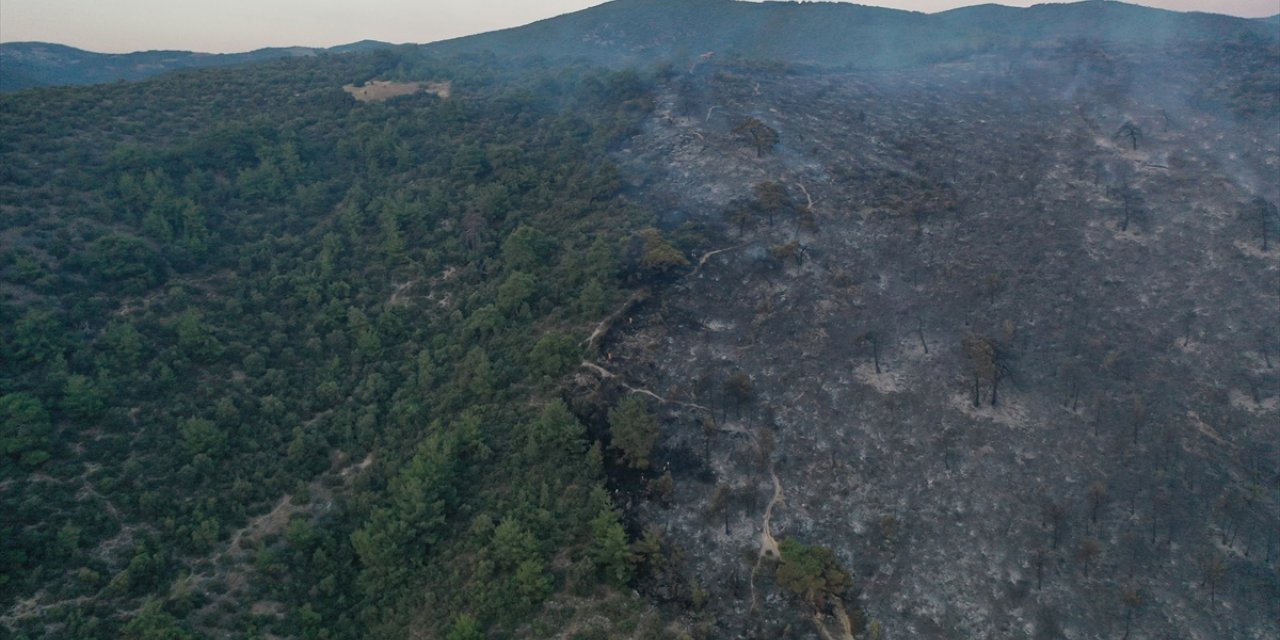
657 320
25 65
637 31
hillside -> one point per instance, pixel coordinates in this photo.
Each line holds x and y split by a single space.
626 32
837 34
25 65
967 329
1013 368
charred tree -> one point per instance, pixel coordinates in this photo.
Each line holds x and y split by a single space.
1131 132
760 135
1265 219
871 339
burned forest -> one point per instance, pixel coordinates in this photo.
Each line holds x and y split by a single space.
687 320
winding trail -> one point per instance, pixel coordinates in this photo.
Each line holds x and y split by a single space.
603 327
768 544
703 260
769 549
606 374
846 627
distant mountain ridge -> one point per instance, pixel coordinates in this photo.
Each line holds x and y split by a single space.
837 33
40 64
626 32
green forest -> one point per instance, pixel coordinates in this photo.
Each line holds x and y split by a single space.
276 362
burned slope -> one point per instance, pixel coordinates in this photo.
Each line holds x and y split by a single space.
999 334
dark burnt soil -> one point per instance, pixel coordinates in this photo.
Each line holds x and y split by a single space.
1125 478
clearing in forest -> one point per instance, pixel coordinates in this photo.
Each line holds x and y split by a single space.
379 90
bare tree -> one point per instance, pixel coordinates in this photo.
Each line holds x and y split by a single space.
1097 492
1039 557
738 386
772 198
1129 131
1213 570
1130 202
872 339
762 136
1131 598
988 366
1264 214
1137 416
1055 516
1088 552
741 213
719 504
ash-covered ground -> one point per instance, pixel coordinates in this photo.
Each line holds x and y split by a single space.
1000 333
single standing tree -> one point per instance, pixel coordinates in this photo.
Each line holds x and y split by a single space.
1131 204
871 339
1130 131
1055 517
738 386
773 199
659 256
1213 569
1097 492
811 572
760 135
1131 598
741 213
986 366
1265 216
1088 552
1039 557
1138 416
633 432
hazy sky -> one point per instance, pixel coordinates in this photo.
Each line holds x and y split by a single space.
242 25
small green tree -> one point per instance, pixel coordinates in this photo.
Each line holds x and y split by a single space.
609 550
195 338
154 624
465 627
634 432
811 572
203 437
527 249
82 398
26 433
36 337
659 256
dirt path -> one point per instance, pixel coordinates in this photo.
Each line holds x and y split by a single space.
602 329
398 295
768 544
273 521
769 549
606 374
846 627
706 256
